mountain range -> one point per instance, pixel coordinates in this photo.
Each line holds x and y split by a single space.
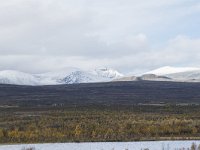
75 75
65 76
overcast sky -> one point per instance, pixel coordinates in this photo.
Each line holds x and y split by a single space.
127 35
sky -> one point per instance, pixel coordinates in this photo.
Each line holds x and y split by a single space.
130 36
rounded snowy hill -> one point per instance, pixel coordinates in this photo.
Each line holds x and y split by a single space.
171 70
185 74
17 77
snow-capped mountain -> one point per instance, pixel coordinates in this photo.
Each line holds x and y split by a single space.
83 77
55 77
76 75
177 74
185 74
171 70
65 76
97 75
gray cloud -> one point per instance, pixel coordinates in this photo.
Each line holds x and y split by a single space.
128 35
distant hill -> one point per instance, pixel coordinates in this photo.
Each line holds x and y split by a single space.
174 74
98 94
145 77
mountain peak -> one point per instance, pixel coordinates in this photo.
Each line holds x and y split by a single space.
108 73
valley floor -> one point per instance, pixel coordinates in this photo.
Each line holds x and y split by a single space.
99 124
103 112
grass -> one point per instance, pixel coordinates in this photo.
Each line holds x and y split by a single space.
91 124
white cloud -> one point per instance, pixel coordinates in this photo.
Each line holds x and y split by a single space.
127 35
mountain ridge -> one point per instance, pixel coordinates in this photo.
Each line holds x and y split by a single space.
67 76
76 75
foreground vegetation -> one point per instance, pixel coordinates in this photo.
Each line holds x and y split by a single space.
78 124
